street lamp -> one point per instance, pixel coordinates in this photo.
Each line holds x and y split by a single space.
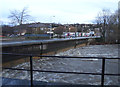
51 27
75 30
50 30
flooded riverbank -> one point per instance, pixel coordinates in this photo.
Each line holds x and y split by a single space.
73 65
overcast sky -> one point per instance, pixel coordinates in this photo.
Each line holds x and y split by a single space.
58 11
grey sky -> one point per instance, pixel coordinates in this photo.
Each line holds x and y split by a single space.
65 11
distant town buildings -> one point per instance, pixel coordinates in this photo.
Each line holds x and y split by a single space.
52 29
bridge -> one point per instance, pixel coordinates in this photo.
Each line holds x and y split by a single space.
41 46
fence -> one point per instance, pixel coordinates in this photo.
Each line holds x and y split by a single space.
102 74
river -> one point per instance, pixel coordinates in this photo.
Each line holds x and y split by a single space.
73 65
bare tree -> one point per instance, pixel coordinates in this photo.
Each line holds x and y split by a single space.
109 23
20 17
73 29
102 19
59 30
119 24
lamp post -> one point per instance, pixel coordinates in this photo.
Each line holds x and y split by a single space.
51 27
50 30
75 31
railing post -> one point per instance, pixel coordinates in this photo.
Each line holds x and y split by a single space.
103 72
31 71
41 49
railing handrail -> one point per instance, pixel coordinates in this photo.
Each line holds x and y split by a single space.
61 71
36 55
33 55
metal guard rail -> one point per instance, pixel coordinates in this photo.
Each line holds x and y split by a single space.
31 66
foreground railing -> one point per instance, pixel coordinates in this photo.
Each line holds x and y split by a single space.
102 74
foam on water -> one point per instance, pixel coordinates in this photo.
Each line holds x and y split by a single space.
74 65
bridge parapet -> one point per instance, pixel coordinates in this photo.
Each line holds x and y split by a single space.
41 46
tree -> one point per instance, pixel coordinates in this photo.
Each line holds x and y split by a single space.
119 24
19 17
113 27
72 29
102 19
59 30
7 30
109 23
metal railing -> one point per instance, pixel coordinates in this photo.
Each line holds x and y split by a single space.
102 74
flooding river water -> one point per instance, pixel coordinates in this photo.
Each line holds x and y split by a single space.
73 65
